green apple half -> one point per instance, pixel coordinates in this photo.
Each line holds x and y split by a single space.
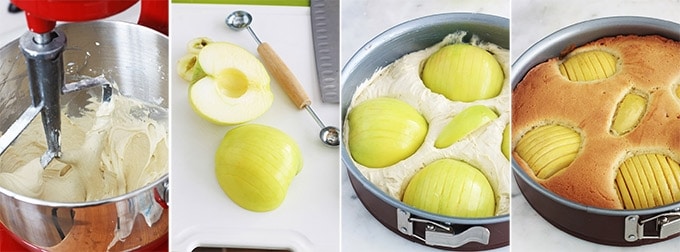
384 131
255 165
453 188
236 86
463 72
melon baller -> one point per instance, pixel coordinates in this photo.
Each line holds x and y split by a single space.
239 20
42 48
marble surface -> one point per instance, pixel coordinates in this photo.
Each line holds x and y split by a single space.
361 21
13 24
531 21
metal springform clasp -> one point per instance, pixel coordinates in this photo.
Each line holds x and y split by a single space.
665 225
437 234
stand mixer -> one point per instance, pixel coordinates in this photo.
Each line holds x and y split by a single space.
36 84
42 48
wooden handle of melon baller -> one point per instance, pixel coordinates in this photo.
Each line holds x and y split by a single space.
278 69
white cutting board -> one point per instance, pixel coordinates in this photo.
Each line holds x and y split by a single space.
201 214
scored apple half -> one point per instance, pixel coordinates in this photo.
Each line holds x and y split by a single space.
234 86
451 187
463 72
548 149
589 66
255 165
648 180
384 131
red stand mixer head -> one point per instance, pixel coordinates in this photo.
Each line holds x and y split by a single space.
42 15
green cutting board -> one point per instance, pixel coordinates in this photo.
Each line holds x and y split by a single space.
258 2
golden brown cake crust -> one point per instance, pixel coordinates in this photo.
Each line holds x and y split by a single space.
647 64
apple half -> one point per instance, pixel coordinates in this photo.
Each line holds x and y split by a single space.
235 88
453 188
384 131
648 180
549 149
255 165
463 72
589 66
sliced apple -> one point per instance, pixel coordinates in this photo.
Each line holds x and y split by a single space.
648 180
674 169
197 44
236 87
628 114
451 187
671 172
505 145
255 165
634 185
189 69
658 175
464 123
588 66
187 66
384 131
548 149
463 72
623 189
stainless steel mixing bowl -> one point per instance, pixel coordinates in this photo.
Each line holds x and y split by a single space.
133 56
411 223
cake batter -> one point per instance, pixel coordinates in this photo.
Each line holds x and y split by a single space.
110 149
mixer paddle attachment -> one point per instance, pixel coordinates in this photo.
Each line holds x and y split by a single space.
43 54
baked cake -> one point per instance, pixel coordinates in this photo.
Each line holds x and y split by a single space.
600 125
